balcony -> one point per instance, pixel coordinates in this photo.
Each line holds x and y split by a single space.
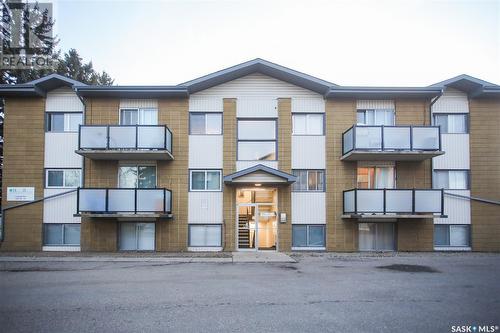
124 202
391 143
116 142
395 203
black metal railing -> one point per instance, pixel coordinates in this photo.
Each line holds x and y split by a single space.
124 137
124 200
393 201
391 138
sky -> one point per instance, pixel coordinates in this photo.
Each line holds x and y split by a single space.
372 43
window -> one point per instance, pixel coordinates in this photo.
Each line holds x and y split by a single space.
376 177
61 234
137 176
376 236
309 180
137 236
63 178
451 179
451 235
205 235
205 180
64 122
205 123
308 124
375 117
138 117
256 140
452 123
308 235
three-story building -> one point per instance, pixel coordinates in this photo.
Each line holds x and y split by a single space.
253 157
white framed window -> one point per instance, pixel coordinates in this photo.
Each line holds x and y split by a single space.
61 234
209 123
63 121
309 180
137 236
63 178
205 235
308 235
452 123
451 179
137 116
205 180
257 140
308 124
376 117
452 235
137 176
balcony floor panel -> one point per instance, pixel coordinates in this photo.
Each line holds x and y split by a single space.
128 216
363 155
125 154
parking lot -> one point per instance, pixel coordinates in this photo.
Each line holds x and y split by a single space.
320 292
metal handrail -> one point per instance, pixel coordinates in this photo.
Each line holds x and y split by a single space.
166 145
384 205
135 210
382 144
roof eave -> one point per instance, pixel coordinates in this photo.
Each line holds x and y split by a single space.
380 93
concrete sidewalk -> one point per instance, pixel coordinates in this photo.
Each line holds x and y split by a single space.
234 257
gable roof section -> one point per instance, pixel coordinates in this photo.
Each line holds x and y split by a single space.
287 178
259 66
38 87
473 86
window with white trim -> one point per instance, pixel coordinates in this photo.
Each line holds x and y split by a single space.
451 179
205 235
375 117
63 121
61 234
309 180
452 122
308 235
308 124
449 235
63 178
138 116
205 180
209 123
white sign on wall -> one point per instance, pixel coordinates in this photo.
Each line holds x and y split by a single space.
20 193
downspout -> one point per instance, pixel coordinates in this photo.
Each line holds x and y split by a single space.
430 122
84 120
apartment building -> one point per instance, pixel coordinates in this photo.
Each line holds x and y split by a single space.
253 157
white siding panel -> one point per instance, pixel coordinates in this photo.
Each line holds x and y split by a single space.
257 107
205 104
308 208
60 209
452 101
205 207
205 151
241 165
308 105
63 100
257 85
60 150
456 147
308 152
457 209
139 103
374 104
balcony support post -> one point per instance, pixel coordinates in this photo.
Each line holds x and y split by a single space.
385 200
355 201
411 138
413 201
135 200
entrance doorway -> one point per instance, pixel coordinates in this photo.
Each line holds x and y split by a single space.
377 236
256 218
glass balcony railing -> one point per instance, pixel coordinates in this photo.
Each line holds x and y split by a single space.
125 137
391 139
394 201
124 200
